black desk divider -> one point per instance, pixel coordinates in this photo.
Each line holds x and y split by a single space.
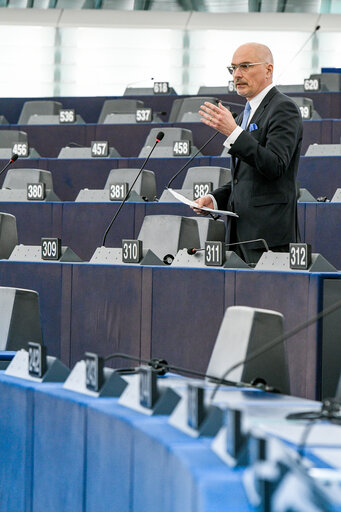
19 318
167 397
33 253
211 423
56 371
231 443
8 234
68 152
242 331
113 384
280 261
183 259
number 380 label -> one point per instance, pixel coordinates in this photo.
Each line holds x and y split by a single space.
36 191
300 256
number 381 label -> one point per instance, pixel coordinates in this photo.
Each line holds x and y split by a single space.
51 248
300 256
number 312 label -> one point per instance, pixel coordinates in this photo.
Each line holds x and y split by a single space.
300 256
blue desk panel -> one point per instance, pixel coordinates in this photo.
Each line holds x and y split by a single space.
16 443
59 457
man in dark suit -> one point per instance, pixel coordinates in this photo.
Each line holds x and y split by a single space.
264 143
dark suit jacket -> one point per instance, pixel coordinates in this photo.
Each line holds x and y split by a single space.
264 169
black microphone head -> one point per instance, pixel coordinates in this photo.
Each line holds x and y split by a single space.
317 27
160 136
191 251
14 157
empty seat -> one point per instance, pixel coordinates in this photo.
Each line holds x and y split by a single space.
8 234
165 147
20 318
208 175
117 108
19 178
9 137
38 108
144 188
306 106
167 234
186 109
145 185
72 152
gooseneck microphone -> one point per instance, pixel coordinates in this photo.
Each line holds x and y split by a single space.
193 250
159 137
13 159
161 367
195 154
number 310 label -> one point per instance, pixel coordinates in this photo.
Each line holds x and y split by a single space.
300 256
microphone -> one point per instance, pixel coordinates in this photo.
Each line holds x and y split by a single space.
300 50
193 250
161 367
192 158
278 340
139 81
13 159
159 137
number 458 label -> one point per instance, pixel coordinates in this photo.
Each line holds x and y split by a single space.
300 256
182 148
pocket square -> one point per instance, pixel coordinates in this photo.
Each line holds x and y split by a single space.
253 127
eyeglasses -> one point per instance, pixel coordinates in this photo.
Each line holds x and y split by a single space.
244 67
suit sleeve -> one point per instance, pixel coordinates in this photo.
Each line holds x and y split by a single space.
283 132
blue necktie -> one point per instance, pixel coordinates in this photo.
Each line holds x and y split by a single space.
246 115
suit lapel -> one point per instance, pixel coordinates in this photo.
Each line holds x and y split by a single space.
259 112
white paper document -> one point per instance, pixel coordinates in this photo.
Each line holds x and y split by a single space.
184 200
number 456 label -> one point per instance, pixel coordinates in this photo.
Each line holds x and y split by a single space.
300 256
20 148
